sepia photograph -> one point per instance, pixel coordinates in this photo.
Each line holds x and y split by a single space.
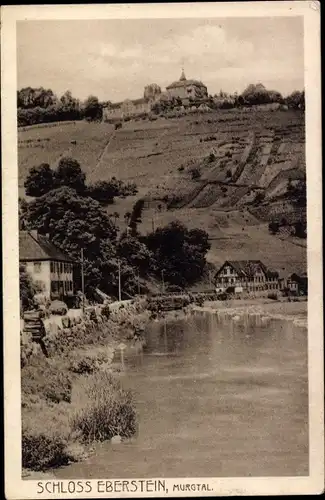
164 280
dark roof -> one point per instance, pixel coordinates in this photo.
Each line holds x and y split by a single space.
39 247
182 83
246 267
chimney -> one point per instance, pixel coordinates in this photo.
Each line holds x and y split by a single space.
34 233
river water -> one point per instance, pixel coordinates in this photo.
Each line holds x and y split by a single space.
215 398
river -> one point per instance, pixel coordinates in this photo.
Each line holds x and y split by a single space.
215 398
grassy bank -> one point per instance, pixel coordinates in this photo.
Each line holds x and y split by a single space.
282 309
72 398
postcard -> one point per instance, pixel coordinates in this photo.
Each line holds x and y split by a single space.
162 242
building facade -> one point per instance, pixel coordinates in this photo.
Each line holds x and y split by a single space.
181 89
185 89
50 269
246 275
127 108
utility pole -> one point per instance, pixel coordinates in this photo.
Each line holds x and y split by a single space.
163 281
119 281
210 280
82 280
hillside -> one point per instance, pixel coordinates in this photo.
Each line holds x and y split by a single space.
237 154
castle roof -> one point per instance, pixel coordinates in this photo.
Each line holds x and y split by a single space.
34 246
184 82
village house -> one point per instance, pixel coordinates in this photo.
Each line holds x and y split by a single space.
50 269
127 108
296 284
246 275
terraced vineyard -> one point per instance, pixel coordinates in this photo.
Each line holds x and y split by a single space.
237 153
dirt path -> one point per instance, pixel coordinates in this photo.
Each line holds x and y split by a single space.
101 156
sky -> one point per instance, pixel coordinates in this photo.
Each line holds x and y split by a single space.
115 59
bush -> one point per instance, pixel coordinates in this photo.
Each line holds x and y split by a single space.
105 311
195 173
85 363
42 378
42 450
45 435
274 227
272 295
106 410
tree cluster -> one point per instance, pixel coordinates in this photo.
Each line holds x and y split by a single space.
43 179
74 221
39 105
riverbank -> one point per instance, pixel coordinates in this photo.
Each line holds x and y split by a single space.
72 397
280 309
60 394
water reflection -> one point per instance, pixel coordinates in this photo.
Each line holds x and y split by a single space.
215 397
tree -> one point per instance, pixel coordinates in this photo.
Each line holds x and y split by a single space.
179 252
40 180
92 108
300 229
296 100
135 217
103 191
27 289
195 173
74 222
134 252
151 91
69 173
274 227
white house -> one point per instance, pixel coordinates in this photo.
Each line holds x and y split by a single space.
248 275
50 269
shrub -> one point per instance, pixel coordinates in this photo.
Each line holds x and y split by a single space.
211 158
272 295
274 227
82 362
195 173
41 450
105 409
45 435
42 378
105 311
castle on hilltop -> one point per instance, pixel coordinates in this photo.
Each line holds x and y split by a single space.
182 89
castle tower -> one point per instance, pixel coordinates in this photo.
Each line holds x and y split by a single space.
183 77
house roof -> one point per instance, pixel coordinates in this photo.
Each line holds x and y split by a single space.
38 247
249 267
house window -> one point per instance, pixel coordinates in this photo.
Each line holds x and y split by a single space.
52 267
54 286
37 267
61 267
